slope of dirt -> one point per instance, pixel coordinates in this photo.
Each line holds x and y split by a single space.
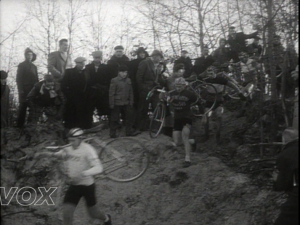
212 191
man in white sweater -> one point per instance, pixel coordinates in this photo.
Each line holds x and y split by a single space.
81 163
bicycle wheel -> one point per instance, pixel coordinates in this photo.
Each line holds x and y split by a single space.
206 93
157 120
231 93
124 159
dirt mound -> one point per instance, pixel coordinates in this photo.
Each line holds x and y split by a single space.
211 191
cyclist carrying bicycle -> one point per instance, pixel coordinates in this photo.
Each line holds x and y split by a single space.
81 163
181 100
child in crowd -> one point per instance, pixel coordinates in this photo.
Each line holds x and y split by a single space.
121 101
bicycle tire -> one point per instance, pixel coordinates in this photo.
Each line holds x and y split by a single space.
135 156
199 91
231 93
157 120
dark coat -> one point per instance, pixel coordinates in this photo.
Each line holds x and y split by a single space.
114 63
254 49
238 42
79 106
221 56
27 76
4 105
288 165
202 63
36 98
74 83
187 62
147 77
120 92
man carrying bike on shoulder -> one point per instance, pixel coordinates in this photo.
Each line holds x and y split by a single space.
81 163
181 100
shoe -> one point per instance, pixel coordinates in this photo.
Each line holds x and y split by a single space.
131 134
186 164
112 135
109 221
242 96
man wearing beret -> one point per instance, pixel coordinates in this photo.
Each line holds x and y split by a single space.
27 76
99 80
45 97
4 107
60 60
148 76
75 86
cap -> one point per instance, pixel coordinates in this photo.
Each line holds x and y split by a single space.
97 54
80 59
3 74
157 52
184 51
123 68
75 132
48 77
232 27
140 49
257 38
119 47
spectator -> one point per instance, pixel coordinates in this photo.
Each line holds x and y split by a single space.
60 60
277 53
118 59
148 76
255 49
27 76
202 63
99 80
75 86
186 61
295 75
45 97
133 68
4 108
237 42
181 100
287 177
221 56
121 101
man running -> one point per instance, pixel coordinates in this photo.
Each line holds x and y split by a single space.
82 163
181 100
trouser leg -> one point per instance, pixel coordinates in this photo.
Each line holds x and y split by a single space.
22 114
114 119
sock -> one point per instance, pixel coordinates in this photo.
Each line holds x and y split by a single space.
106 218
187 158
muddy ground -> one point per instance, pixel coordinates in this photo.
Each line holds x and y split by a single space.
227 184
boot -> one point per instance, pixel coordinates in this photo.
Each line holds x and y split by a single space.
27 141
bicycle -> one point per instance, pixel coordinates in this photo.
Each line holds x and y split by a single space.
159 114
124 159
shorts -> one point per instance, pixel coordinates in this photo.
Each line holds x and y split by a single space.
75 192
180 123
